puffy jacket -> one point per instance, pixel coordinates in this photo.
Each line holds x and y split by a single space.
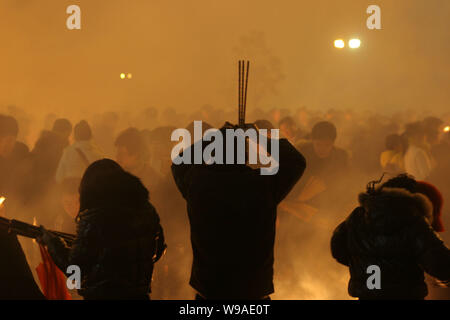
114 249
391 229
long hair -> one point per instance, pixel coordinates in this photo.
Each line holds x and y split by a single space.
106 185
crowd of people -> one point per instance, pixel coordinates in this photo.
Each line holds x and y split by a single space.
59 177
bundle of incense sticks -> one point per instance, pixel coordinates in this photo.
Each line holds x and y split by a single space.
31 231
242 93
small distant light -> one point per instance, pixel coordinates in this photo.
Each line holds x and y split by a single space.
122 76
339 43
447 129
354 43
129 76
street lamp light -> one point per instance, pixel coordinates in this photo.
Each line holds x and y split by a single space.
339 43
354 43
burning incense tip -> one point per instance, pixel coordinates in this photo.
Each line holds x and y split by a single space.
34 224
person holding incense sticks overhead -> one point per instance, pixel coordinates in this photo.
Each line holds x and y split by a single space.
232 211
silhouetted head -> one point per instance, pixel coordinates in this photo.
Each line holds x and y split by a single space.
397 143
9 129
323 136
106 185
415 132
131 148
63 127
288 127
432 127
82 131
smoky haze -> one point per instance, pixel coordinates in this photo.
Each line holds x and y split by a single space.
183 57
183 54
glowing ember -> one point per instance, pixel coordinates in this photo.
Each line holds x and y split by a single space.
34 224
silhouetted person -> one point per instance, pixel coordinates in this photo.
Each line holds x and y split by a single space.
38 188
232 212
20 151
327 167
171 278
69 205
9 130
418 160
325 160
289 129
132 153
14 165
441 153
104 126
392 159
433 128
391 229
63 128
16 279
116 235
77 157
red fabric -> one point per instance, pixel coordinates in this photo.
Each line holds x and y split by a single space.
53 280
435 196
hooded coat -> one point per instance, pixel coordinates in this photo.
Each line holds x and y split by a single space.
392 230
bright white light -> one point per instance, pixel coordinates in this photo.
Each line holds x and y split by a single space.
354 43
339 43
447 129
122 76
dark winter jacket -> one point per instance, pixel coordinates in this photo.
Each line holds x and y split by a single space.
232 211
391 229
114 249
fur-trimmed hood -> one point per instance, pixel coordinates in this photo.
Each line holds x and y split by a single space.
391 209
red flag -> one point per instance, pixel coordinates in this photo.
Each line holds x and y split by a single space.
53 280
